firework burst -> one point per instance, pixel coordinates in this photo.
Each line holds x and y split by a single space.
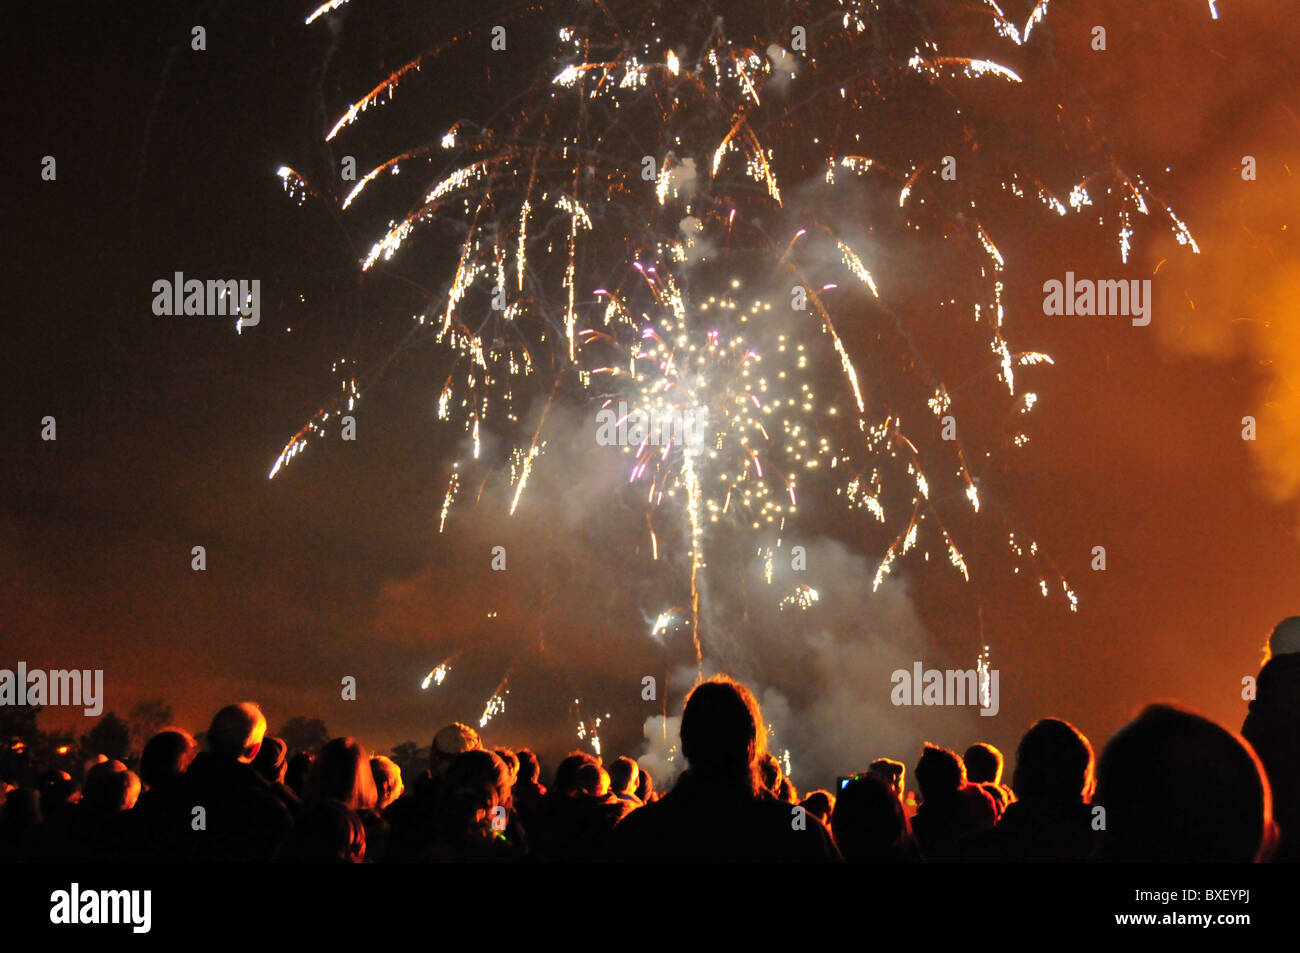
676 216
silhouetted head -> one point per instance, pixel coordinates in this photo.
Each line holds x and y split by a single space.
271 760
530 768
722 732
475 796
388 780
1285 639
326 831
22 809
1179 788
820 803
567 772
623 776
110 788
868 821
983 763
166 755
645 785
237 731
1054 763
893 773
769 771
450 741
511 759
592 779
57 790
786 791
342 772
939 773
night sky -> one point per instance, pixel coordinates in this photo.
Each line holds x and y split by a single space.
168 426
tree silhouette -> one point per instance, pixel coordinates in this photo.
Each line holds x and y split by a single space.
407 757
146 718
111 737
304 734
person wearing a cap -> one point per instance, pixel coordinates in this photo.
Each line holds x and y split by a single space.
1272 727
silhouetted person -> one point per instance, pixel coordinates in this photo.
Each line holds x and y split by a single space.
327 831
984 767
388 780
870 825
100 827
820 803
1051 820
951 809
645 786
623 776
1179 788
769 772
341 772
163 763
1273 729
893 773
271 764
528 794
473 811
719 809
242 819
413 817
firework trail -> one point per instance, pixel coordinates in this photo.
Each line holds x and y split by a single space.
653 224
496 702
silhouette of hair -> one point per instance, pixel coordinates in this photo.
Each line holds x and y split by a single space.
530 768
342 772
327 831
769 771
476 782
1177 787
237 731
821 803
893 773
388 780
166 755
567 771
510 758
722 732
590 778
645 785
450 741
939 773
110 788
983 763
786 791
623 775
270 761
868 822
1054 762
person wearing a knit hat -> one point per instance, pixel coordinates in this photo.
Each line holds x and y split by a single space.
1272 727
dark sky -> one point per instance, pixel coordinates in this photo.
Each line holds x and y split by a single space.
167 427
